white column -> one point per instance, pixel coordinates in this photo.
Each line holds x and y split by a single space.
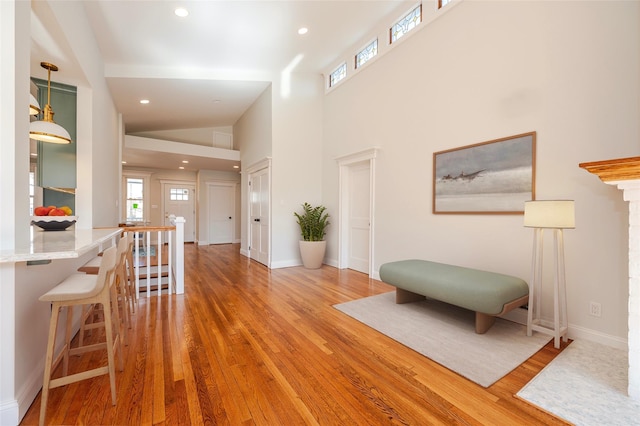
179 263
14 188
631 193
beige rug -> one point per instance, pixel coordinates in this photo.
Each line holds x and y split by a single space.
446 334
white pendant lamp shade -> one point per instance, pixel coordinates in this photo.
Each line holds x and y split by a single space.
46 130
34 106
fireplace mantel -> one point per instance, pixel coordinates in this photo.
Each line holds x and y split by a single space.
615 170
625 174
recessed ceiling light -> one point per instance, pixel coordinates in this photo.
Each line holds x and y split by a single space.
303 30
236 167
144 101
124 162
181 12
181 168
33 154
185 161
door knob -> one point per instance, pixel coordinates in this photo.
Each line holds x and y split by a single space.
229 217
256 220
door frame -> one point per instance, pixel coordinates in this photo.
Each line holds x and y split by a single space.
228 184
344 163
250 171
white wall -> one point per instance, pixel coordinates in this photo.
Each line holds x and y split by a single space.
485 70
297 160
284 123
14 183
198 136
98 165
252 135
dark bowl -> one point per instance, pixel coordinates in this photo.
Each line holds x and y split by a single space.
53 223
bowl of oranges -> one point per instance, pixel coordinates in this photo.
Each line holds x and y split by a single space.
52 218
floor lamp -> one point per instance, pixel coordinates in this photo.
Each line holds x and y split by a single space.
555 215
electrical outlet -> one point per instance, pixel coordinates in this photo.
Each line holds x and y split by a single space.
595 309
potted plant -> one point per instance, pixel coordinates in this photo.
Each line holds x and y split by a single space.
313 221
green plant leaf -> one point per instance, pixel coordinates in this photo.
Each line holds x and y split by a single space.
313 222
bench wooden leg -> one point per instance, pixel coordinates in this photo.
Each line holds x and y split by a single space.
404 296
484 322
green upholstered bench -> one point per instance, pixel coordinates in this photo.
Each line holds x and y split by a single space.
487 293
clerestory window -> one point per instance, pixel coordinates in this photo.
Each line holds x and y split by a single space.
367 53
338 74
406 24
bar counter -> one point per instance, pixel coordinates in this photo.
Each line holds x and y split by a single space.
51 245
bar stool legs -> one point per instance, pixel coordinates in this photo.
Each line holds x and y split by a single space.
78 290
133 293
89 313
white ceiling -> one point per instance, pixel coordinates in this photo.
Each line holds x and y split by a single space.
204 70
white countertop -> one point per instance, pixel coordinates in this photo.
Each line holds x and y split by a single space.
49 245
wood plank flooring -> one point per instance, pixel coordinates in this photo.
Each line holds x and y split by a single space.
248 346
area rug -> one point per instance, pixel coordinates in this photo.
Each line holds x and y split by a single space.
586 385
446 334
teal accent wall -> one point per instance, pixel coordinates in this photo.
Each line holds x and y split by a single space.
56 164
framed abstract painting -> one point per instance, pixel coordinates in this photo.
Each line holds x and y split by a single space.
493 177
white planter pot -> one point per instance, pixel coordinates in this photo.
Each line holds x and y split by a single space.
312 253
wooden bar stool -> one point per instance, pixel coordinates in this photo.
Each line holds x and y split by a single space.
131 276
122 284
122 287
82 289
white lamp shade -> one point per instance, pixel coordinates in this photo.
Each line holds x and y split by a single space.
34 106
48 131
549 214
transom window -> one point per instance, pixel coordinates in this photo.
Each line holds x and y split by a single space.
338 74
179 194
367 53
442 3
406 24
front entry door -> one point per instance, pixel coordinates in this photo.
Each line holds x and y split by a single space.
179 200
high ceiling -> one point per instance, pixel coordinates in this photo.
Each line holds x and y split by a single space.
206 69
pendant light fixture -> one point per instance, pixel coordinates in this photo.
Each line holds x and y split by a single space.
46 130
34 106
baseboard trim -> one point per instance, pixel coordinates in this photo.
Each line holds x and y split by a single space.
9 412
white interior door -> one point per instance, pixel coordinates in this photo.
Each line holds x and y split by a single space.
221 213
356 215
359 210
259 216
179 200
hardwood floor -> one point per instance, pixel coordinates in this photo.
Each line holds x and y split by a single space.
245 345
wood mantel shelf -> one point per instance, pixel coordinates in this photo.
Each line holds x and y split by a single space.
614 170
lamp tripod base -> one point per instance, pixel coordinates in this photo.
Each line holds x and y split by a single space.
559 326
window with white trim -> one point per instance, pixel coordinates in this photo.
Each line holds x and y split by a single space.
135 205
406 24
443 3
367 53
134 200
